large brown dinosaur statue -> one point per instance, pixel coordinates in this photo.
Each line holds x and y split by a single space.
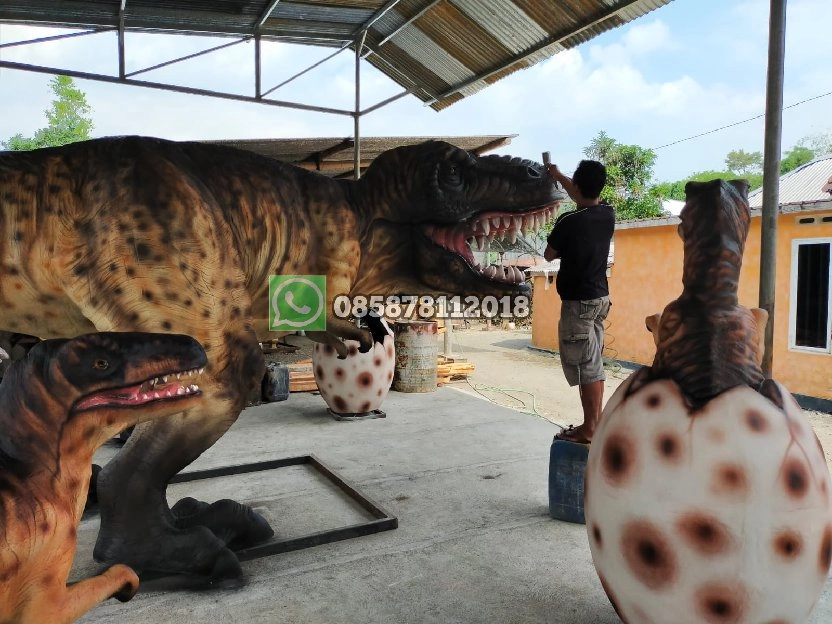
56 407
140 234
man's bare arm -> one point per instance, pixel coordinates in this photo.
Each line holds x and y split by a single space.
565 182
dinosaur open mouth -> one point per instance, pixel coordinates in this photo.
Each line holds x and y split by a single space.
466 237
167 387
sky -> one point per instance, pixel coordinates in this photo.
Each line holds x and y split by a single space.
687 68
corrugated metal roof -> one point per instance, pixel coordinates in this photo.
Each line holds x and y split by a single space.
444 50
804 185
334 156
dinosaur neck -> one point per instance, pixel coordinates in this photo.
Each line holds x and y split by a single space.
712 271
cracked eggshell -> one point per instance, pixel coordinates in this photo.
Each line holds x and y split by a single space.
360 382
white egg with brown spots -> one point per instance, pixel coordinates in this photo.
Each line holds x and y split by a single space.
358 383
718 516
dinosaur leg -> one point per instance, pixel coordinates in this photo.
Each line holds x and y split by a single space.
119 582
137 525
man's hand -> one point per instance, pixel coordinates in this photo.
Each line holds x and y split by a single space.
566 182
553 172
550 254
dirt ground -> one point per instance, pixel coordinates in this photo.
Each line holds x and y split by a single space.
509 372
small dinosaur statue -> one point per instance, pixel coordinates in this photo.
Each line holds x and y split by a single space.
707 496
142 234
57 407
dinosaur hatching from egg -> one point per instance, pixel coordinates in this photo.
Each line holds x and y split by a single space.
359 382
707 494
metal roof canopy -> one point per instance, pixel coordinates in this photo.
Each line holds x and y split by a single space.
441 51
333 157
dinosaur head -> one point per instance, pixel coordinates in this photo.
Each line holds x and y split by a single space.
78 393
439 203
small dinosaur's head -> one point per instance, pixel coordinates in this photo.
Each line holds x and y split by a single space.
439 203
76 394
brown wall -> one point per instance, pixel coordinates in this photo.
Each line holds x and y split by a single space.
647 275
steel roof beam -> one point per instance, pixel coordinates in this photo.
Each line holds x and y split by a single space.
308 69
166 87
375 17
189 56
266 14
405 25
94 31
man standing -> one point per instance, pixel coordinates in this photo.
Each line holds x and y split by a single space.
581 239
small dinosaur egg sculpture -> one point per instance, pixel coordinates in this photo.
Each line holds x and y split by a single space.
360 382
707 494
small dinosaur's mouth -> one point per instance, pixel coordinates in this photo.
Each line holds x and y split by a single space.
464 238
168 387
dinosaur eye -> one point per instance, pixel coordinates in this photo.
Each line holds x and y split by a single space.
101 364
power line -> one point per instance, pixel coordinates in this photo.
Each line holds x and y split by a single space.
737 123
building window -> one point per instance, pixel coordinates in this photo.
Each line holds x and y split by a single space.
810 322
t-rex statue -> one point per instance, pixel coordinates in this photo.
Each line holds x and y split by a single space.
141 234
56 408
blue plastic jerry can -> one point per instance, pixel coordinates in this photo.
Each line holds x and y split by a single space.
567 466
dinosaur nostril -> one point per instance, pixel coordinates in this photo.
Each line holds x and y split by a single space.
533 172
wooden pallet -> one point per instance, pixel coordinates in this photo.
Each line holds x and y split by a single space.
450 371
301 377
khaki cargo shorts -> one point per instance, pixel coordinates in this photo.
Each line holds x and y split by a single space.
581 339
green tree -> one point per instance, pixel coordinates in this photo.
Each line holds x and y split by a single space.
820 144
795 157
743 163
68 119
676 190
629 170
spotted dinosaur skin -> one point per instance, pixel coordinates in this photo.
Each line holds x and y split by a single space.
139 234
56 407
708 499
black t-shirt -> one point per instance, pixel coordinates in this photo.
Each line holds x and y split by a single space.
582 238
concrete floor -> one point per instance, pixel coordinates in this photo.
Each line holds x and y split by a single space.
467 480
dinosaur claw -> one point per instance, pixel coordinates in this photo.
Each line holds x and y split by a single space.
126 593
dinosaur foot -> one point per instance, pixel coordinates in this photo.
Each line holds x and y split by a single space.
236 525
161 550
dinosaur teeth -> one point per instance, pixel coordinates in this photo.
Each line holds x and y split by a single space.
485 225
481 240
201 370
517 223
512 236
180 391
497 222
164 379
193 387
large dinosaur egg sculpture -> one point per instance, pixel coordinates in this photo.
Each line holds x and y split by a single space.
707 494
358 383
722 516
